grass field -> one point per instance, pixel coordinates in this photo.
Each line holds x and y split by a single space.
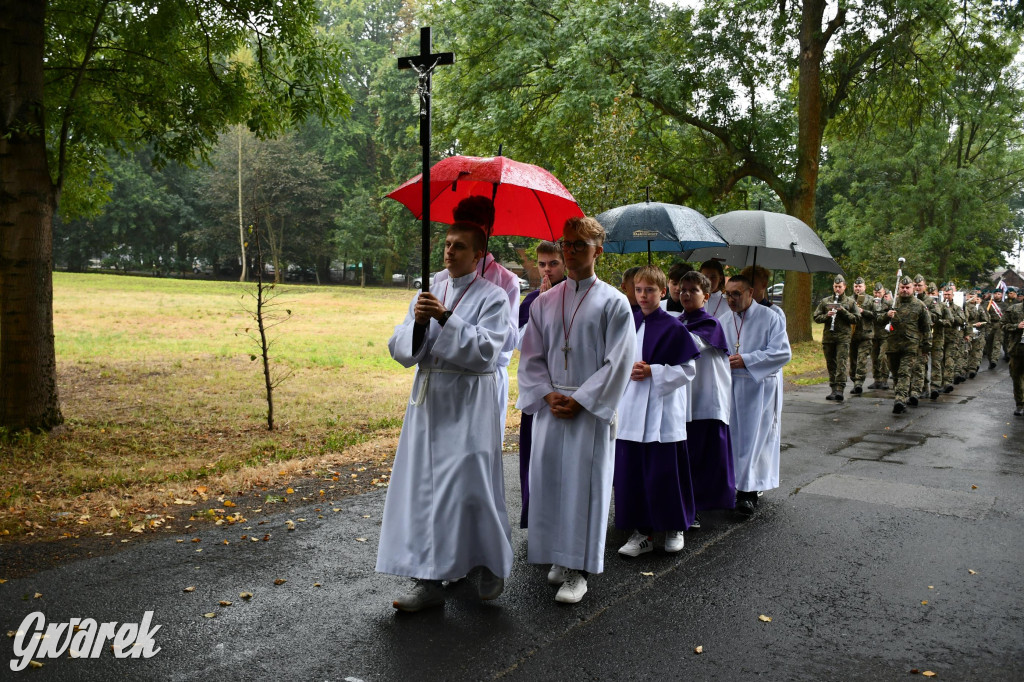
165 412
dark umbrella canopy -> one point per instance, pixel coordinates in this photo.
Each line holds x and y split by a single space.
656 226
773 240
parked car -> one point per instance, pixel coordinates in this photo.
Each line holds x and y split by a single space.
524 285
775 293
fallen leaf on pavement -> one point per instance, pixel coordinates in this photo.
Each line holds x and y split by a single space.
223 602
972 571
648 573
210 615
764 619
280 581
178 500
928 673
245 595
698 650
37 595
316 584
290 524
190 588
360 539
924 602
35 664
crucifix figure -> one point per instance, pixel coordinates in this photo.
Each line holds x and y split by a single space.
565 351
423 64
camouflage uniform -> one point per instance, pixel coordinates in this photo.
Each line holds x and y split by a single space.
976 313
860 342
1015 347
994 332
1007 304
835 343
911 334
954 345
879 362
919 380
942 347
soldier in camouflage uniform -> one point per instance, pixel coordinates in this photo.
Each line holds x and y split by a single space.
919 381
994 333
1013 326
863 333
879 361
963 340
911 336
954 338
1009 300
977 320
942 321
838 313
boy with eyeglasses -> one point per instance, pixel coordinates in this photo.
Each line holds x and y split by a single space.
577 353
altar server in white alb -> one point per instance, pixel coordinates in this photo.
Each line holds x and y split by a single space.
480 211
577 353
445 510
758 348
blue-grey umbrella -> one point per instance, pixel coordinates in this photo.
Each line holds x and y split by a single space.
655 226
773 240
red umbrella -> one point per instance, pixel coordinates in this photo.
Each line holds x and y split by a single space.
528 200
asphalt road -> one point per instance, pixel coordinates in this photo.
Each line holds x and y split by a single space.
894 544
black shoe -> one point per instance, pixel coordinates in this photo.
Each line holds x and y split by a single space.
912 400
958 379
948 388
991 364
883 386
857 390
934 395
746 503
972 374
898 408
696 522
839 397
1019 411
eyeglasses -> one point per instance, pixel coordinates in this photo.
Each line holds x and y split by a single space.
735 294
578 245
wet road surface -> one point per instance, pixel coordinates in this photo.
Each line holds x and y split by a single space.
894 544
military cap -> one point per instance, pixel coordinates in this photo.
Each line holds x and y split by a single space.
905 280
859 280
879 286
932 287
918 278
839 280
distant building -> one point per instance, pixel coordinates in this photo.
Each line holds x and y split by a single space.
1011 278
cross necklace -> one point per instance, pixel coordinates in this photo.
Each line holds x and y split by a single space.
566 331
738 328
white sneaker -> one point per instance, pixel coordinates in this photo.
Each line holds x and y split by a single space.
637 544
557 574
573 589
673 540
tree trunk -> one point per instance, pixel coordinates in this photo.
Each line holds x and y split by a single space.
241 230
28 201
796 298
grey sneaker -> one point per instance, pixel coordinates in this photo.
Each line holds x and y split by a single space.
673 541
573 589
557 574
491 586
424 594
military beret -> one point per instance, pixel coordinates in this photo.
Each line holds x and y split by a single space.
918 278
905 280
859 280
839 280
878 286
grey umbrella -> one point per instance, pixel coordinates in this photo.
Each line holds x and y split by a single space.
773 240
654 226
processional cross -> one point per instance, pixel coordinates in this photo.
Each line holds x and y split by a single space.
423 64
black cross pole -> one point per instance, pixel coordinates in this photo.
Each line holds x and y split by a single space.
423 64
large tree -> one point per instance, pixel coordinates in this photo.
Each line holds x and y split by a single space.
78 77
731 90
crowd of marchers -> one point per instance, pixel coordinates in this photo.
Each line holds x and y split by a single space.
925 342
667 392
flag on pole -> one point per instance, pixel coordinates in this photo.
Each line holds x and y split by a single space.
1001 286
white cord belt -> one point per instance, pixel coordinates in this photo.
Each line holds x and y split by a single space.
426 372
560 387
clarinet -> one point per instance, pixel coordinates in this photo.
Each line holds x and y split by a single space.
835 313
